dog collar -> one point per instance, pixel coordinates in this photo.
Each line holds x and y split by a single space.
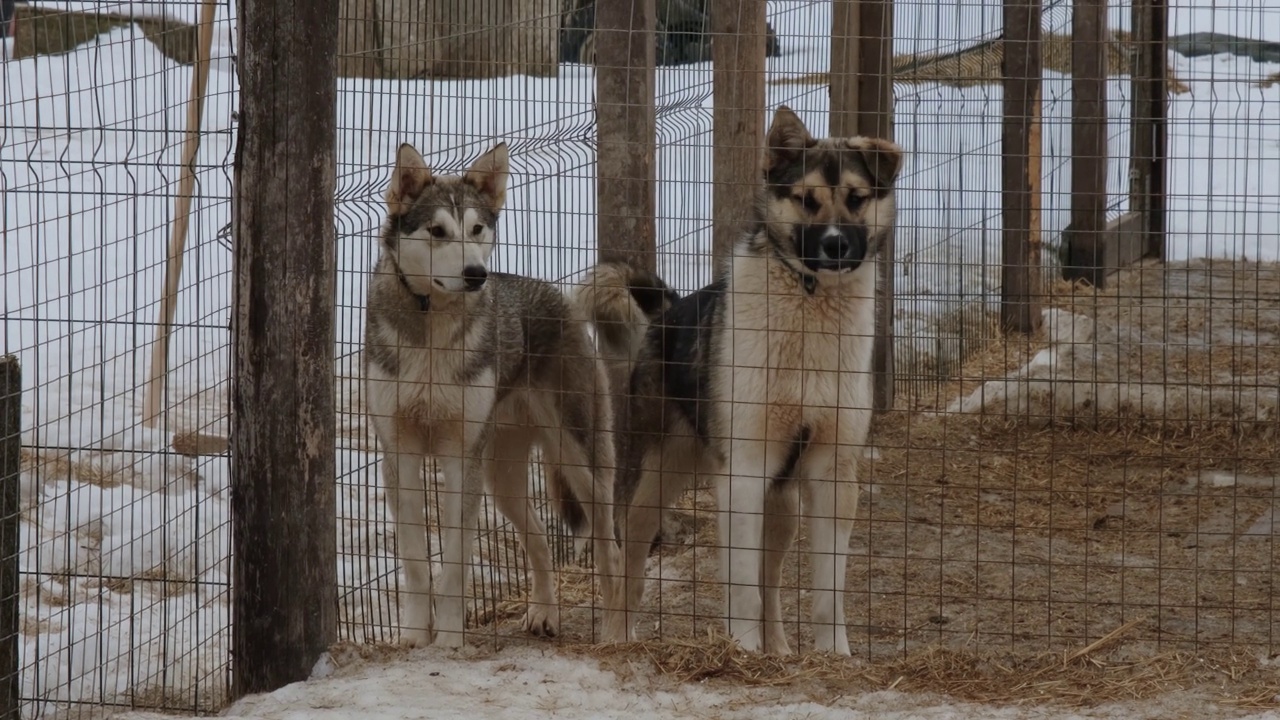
424 301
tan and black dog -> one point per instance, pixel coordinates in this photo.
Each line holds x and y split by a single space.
761 379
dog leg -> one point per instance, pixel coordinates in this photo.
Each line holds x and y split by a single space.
782 507
604 548
510 478
459 518
664 474
740 497
834 503
637 524
402 477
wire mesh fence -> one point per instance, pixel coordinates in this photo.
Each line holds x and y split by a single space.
1110 475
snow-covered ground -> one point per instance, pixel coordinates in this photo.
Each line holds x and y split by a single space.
124 559
529 683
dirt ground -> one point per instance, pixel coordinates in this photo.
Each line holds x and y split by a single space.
992 540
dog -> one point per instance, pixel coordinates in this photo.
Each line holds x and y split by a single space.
763 380
474 368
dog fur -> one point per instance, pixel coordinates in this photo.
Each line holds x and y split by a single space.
763 380
473 368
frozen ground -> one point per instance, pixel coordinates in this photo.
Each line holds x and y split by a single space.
528 683
125 545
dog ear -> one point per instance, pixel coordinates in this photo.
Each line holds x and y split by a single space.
787 139
408 180
883 159
488 174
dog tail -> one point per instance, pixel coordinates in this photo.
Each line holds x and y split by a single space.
621 302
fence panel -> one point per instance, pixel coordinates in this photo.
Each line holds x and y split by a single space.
1084 510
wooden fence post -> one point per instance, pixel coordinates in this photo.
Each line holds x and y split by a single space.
1085 237
738 119
1148 194
1020 170
284 611
10 520
626 178
862 104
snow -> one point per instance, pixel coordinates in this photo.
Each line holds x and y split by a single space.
125 544
523 683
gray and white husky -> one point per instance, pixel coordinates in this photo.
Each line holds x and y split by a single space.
761 379
473 368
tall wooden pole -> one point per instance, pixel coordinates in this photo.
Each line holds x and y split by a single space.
1020 147
284 588
1088 142
1148 194
738 118
626 179
862 104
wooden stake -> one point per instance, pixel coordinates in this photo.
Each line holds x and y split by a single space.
153 395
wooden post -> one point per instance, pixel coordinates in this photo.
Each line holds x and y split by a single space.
626 179
1148 192
738 120
284 611
1085 234
1020 146
153 394
10 519
862 104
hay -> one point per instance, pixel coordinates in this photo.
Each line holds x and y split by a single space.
1174 347
1081 679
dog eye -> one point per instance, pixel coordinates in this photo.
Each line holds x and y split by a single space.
437 231
477 229
810 202
854 201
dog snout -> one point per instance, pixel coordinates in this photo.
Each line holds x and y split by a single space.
474 277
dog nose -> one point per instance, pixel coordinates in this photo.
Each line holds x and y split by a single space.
835 246
474 276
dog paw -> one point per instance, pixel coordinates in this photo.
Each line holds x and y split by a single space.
417 638
542 620
450 640
836 643
775 643
615 628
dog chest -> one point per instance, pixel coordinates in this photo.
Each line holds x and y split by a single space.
813 351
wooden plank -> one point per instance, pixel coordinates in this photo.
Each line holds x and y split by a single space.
738 118
284 610
1084 235
626 178
862 104
1020 275
10 520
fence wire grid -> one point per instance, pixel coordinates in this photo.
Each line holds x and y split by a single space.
1107 472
